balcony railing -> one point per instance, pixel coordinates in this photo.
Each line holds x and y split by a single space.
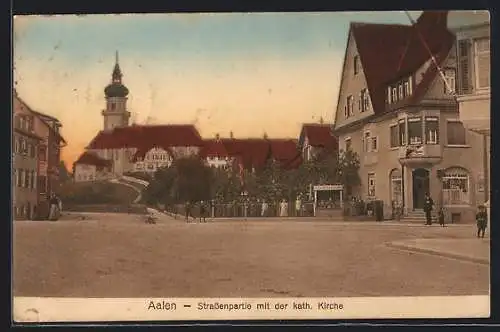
419 153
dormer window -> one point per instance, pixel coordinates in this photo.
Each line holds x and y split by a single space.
394 95
400 92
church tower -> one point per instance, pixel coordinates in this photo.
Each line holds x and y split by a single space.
116 114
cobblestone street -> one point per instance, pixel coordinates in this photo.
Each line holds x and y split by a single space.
112 255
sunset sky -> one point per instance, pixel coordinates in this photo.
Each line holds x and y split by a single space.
246 73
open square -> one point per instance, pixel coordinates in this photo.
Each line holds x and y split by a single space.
118 255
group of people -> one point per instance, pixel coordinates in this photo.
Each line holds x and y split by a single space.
481 216
188 211
55 207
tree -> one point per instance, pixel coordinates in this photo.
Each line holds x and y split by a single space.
187 179
64 174
348 170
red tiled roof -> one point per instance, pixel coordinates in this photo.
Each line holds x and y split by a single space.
319 135
213 148
388 52
88 158
147 136
286 152
252 152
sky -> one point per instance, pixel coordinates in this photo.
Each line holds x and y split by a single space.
249 73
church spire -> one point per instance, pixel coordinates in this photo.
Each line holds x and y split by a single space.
117 73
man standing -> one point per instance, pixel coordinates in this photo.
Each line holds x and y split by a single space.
202 212
428 205
482 221
187 207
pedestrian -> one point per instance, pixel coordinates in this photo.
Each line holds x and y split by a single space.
187 207
202 212
428 205
298 206
53 207
482 221
264 207
441 216
283 208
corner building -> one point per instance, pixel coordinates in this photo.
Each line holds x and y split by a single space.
398 111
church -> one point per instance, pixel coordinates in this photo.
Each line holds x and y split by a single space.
121 148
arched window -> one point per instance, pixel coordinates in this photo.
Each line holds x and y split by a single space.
456 186
396 182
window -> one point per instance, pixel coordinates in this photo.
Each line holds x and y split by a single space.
28 149
42 153
23 146
407 91
22 123
400 90
17 121
116 154
431 130
17 178
402 132
394 139
33 151
394 95
371 184
396 186
464 66
33 180
27 181
450 81
456 186
415 131
16 145
22 178
367 141
365 100
356 65
455 133
389 99
113 106
350 105
482 62
374 146
347 142
42 183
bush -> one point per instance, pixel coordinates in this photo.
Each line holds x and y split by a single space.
96 193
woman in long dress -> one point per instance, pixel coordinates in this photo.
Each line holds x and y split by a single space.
283 209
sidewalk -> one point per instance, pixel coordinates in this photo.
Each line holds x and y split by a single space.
473 250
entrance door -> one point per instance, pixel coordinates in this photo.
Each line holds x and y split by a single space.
420 187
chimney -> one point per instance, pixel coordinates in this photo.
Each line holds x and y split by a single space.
231 135
321 120
265 135
217 137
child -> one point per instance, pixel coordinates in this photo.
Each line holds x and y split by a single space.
441 217
482 221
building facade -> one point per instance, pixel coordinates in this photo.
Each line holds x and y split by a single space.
397 111
317 140
25 162
91 167
472 30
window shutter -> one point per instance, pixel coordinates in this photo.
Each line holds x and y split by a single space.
464 59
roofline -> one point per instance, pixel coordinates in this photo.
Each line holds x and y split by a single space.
349 34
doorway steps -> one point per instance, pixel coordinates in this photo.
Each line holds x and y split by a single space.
417 216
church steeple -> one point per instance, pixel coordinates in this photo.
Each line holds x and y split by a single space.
116 88
116 114
117 73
